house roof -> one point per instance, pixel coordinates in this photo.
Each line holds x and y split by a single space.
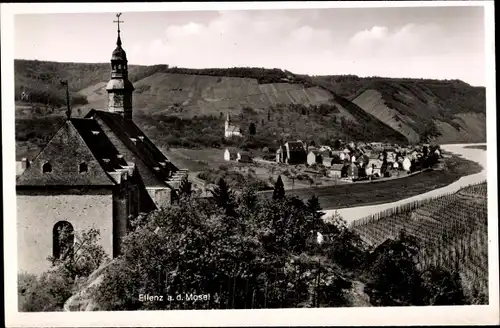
327 159
154 168
315 152
337 167
295 145
378 163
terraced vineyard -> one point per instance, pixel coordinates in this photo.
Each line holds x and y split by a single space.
452 231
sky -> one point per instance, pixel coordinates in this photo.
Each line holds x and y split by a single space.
418 42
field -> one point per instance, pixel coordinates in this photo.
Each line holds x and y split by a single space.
209 159
451 230
378 192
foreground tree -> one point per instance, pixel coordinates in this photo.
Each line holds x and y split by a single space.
252 129
442 287
279 189
224 197
396 279
50 290
262 256
185 188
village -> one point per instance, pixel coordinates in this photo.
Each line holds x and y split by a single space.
305 165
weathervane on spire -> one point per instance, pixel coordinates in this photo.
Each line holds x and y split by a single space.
118 21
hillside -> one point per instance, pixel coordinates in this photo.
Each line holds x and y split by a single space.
441 111
186 107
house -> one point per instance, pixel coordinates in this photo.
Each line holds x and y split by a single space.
292 152
280 155
395 165
406 164
327 161
244 157
231 130
374 168
230 154
391 157
352 171
325 153
314 157
97 171
437 152
344 156
363 160
325 148
335 171
295 152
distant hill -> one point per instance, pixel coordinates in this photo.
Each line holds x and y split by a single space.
283 104
449 111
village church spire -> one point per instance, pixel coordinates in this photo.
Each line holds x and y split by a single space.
119 88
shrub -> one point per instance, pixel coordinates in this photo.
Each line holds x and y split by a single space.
46 293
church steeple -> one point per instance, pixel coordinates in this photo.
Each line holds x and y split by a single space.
119 87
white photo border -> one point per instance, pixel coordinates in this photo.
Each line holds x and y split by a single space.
443 315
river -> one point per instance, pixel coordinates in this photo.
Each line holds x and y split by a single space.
476 155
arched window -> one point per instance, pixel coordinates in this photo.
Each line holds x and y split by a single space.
63 240
47 168
83 167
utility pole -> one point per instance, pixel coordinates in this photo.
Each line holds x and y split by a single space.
68 109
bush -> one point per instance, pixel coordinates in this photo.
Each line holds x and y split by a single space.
46 293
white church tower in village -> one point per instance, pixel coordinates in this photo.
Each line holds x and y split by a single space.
231 130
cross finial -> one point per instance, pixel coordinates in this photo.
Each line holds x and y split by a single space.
118 21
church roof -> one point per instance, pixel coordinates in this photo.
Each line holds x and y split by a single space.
233 128
106 143
71 146
135 146
119 53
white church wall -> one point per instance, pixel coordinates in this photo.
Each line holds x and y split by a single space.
38 212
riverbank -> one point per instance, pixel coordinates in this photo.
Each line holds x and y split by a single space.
469 159
386 191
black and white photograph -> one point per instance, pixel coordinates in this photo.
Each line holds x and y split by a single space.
286 157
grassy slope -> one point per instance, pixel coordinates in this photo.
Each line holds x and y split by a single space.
198 101
445 111
422 107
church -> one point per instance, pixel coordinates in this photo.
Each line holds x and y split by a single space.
99 171
231 130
